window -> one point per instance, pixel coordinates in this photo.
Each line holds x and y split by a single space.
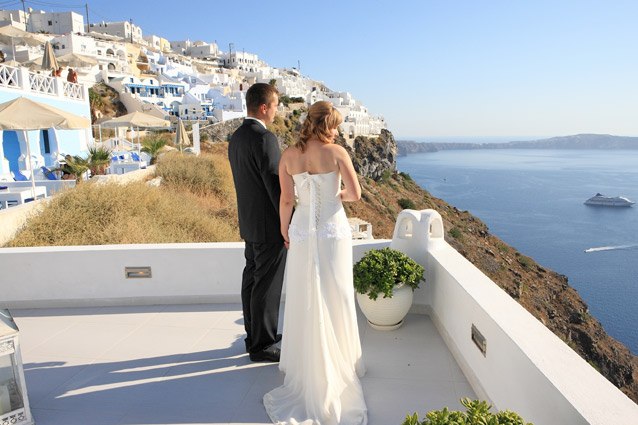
45 140
50 23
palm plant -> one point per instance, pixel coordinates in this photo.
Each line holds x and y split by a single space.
76 166
95 103
99 158
153 145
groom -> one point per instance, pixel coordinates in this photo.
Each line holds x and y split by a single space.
254 156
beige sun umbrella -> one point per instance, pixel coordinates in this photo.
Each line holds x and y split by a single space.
49 61
24 114
137 120
11 35
181 137
76 61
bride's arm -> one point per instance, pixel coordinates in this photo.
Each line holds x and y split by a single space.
287 198
352 191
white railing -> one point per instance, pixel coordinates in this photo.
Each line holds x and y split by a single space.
9 76
73 90
21 79
42 84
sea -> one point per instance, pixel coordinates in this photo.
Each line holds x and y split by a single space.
534 201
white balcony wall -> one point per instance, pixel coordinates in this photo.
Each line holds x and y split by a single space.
94 275
526 368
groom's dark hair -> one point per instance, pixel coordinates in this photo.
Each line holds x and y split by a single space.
259 94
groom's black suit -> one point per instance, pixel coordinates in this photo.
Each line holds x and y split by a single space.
254 157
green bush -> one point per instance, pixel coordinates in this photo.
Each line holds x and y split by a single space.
478 413
455 232
526 262
406 204
380 270
405 176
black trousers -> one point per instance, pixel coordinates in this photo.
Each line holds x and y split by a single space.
261 293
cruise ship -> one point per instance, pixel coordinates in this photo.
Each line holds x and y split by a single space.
608 201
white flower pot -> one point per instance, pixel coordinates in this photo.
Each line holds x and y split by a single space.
386 314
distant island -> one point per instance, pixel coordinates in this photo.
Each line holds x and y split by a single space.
579 141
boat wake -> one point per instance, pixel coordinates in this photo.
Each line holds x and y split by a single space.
611 248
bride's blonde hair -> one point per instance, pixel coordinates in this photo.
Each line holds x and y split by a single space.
322 118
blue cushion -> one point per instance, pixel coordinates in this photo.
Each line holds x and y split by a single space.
4 187
135 157
48 173
19 177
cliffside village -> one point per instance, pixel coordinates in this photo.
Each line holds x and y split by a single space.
191 80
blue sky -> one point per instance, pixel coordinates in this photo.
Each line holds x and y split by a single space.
433 68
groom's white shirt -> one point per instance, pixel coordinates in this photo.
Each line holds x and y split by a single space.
258 120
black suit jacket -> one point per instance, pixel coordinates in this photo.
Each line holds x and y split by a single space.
254 157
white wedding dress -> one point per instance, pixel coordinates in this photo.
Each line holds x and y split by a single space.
320 350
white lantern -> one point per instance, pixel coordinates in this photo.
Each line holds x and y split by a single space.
14 404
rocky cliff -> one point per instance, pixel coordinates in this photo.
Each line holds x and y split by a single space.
375 156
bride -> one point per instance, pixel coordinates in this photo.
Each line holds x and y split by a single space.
320 351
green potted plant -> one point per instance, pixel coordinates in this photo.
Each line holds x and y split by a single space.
384 280
478 412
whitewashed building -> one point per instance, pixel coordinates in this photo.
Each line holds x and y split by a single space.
125 29
202 50
111 56
287 81
55 22
248 62
15 18
182 47
357 121
228 106
46 146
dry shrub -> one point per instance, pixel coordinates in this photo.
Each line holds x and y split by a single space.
206 174
103 214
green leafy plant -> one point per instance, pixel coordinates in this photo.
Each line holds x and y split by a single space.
526 262
406 204
153 145
99 158
478 413
75 166
455 232
380 270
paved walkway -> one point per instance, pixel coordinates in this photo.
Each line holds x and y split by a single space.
185 364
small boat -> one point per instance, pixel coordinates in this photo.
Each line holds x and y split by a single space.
608 201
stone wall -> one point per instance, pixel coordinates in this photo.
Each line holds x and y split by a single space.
221 132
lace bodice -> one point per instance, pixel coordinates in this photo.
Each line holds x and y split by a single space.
319 208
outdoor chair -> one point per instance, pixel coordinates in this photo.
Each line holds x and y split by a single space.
19 177
49 174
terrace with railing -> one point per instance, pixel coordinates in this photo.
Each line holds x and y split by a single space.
22 80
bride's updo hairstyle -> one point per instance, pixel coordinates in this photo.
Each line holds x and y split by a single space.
321 119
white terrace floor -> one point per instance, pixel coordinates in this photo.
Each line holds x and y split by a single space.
185 364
